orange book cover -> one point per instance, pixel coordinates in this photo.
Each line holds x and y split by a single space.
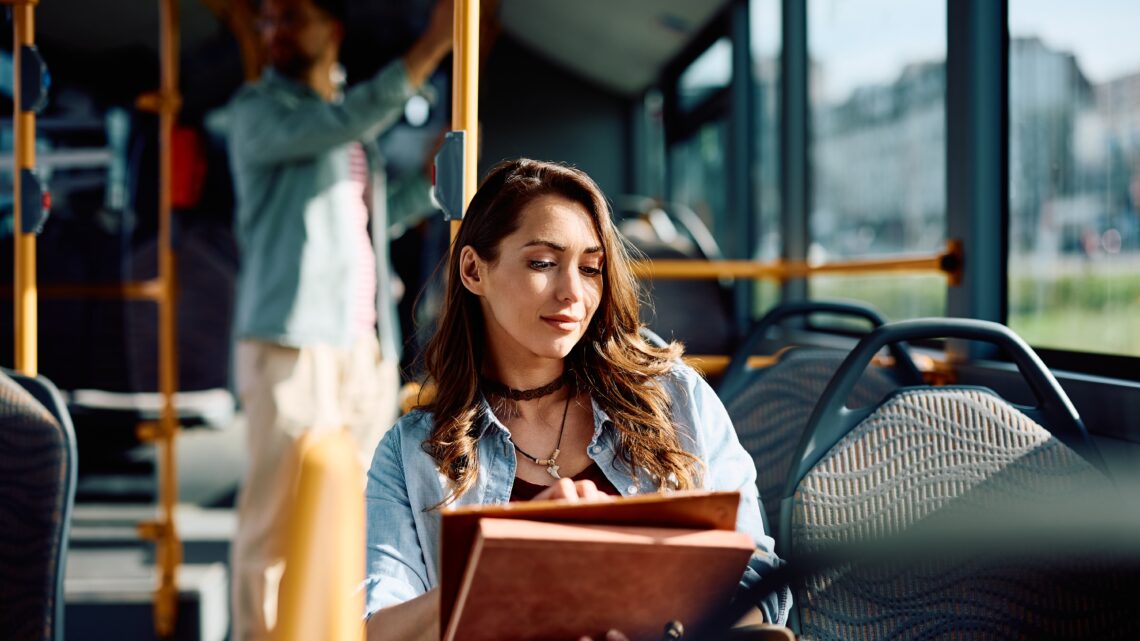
548 570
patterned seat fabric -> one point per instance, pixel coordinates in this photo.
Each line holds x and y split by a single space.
770 411
34 505
941 456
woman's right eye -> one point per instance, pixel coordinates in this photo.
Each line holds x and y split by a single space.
540 264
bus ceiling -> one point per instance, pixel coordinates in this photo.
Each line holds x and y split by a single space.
625 52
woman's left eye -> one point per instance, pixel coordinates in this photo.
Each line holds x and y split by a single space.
591 271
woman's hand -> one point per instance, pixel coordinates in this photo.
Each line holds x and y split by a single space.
572 492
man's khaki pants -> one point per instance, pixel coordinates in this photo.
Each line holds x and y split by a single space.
286 392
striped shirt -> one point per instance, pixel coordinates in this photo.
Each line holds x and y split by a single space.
364 297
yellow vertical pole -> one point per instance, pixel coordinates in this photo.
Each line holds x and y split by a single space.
465 94
24 157
168 546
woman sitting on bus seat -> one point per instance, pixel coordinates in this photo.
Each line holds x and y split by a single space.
544 390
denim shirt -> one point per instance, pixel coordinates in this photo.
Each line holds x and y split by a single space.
290 161
404 484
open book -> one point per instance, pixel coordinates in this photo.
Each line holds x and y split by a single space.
553 570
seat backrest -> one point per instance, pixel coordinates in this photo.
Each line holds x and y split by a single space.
942 455
770 408
924 458
37 491
759 335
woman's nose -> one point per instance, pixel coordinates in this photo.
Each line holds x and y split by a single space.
570 285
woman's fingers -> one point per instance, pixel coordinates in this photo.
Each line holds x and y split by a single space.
612 635
560 489
587 490
572 491
567 489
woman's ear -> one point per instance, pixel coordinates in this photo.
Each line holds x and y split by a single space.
471 268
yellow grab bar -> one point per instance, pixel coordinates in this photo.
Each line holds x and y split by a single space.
948 262
324 555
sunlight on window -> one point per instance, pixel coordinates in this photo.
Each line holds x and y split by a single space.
1074 171
877 89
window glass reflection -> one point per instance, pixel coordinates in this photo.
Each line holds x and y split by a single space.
1074 172
712 70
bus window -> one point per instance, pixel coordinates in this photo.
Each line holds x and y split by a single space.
877 90
766 41
1074 175
711 70
698 173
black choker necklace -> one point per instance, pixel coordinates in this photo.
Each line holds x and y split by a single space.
498 389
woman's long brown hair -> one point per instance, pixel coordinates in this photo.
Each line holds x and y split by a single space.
611 361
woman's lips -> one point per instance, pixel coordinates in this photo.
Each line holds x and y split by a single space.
564 323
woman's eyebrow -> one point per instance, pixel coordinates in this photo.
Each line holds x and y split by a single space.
539 242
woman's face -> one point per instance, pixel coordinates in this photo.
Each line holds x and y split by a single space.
539 296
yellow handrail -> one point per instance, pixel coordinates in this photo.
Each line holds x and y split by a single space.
152 290
936 371
716 364
24 157
465 94
324 555
948 262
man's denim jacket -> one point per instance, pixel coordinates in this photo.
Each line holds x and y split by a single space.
404 484
290 161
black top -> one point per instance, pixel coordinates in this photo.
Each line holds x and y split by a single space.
525 491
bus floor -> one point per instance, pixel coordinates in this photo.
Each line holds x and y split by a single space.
111 574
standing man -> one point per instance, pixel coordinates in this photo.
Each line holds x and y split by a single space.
317 336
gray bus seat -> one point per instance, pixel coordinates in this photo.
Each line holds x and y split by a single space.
770 406
37 493
939 458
